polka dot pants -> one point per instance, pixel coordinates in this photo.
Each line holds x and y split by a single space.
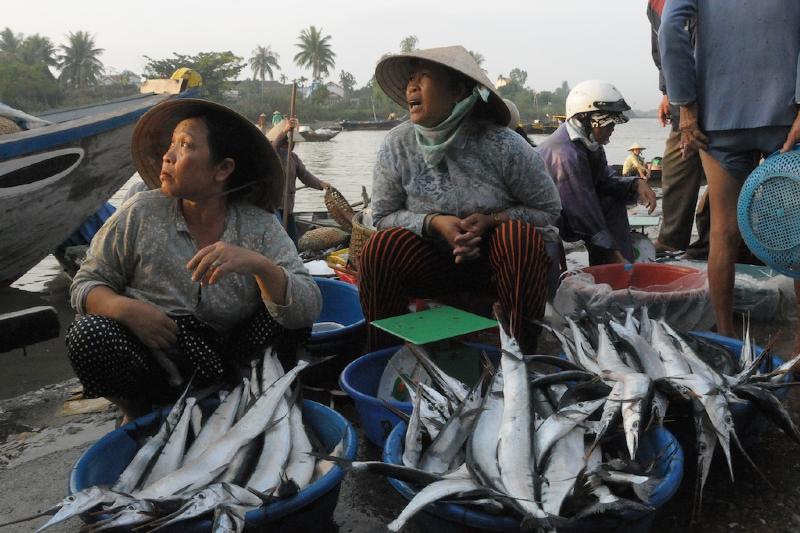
111 362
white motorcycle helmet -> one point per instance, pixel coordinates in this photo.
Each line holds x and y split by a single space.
599 100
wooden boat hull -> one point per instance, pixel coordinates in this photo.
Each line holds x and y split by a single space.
538 129
311 137
351 125
53 178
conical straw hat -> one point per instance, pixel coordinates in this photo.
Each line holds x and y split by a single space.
634 146
393 71
255 158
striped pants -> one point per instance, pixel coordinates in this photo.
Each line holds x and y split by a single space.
396 265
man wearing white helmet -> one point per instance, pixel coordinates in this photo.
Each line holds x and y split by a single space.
593 195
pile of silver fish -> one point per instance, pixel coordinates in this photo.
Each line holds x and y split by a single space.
514 443
554 440
252 449
646 365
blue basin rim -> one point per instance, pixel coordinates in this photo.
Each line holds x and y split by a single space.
340 303
318 416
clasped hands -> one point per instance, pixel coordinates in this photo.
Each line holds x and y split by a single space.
464 235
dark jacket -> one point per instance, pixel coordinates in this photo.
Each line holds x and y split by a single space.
585 182
297 170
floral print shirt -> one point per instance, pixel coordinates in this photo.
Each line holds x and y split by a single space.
142 250
487 169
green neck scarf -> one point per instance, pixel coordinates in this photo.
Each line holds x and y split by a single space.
434 141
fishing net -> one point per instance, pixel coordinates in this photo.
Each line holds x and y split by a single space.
683 302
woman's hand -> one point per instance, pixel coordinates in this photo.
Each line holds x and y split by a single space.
220 258
148 323
792 139
617 257
692 139
464 244
478 224
646 195
664 115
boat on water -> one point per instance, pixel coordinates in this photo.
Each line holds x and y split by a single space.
54 176
351 125
320 135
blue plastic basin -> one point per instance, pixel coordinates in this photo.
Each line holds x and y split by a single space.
360 380
656 444
338 347
340 304
306 511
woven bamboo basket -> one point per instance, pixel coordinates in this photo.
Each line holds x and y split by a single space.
360 234
339 208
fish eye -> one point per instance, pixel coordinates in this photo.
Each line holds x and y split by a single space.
201 496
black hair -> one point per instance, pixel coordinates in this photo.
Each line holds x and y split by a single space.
522 133
223 143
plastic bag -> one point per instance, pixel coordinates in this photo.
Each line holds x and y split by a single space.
684 303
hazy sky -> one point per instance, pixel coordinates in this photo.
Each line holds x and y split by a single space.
553 40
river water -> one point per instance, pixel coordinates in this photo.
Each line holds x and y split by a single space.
346 162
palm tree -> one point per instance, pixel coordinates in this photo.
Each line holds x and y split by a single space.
10 41
78 62
301 81
262 62
37 49
315 52
283 79
478 57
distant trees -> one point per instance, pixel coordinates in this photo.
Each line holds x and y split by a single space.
218 69
409 44
28 87
25 77
532 104
518 76
263 60
37 49
347 81
315 52
78 61
10 42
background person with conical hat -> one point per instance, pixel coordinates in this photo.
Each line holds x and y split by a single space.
514 122
461 201
634 164
197 271
262 123
276 117
593 196
279 137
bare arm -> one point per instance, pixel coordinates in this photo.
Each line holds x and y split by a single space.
147 322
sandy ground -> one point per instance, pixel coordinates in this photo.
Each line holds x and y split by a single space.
38 448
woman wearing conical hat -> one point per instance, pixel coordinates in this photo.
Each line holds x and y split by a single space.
195 275
461 201
634 164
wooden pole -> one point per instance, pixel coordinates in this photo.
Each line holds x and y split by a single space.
288 159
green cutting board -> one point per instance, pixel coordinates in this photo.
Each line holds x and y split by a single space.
434 324
643 221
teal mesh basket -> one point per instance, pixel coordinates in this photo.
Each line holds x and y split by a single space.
769 212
